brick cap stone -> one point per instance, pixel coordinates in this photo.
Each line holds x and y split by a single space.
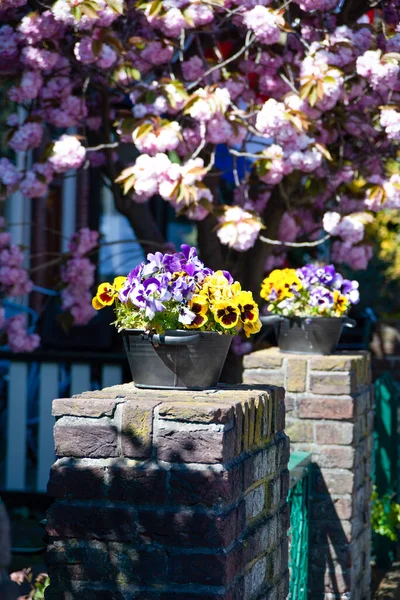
274 357
212 405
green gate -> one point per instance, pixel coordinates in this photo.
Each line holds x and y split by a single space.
386 457
298 499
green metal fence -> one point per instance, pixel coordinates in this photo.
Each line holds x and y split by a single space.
298 498
386 456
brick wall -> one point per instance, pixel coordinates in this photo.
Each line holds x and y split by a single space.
169 496
329 413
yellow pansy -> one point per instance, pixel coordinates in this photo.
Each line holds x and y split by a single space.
341 303
252 327
279 285
226 313
107 292
199 306
247 306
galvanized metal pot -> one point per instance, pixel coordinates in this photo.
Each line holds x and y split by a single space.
308 335
181 360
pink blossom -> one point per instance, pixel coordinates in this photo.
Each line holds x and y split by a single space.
265 23
193 68
382 72
68 153
32 187
186 174
36 27
38 58
288 228
316 68
72 111
390 120
238 228
148 170
311 5
83 241
350 228
26 137
9 174
162 139
357 257
8 47
56 88
29 88
156 53
200 14
18 338
208 103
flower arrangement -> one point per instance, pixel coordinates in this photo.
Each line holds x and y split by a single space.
176 291
311 291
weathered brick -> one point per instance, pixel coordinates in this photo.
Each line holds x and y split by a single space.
264 359
83 407
255 501
332 508
111 561
191 528
332 383
137 483
300 430
76 479
137 428
85 440
217 569
196 412
260 465
273 495
254 578
205 487
334 433
199 444
296 374
334 481
340 457
319 407
341 362
65 519
264 376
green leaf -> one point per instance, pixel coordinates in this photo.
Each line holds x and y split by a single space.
116 6
173 157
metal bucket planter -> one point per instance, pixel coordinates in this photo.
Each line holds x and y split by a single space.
308 335
180 360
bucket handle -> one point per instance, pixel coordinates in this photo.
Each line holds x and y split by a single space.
170 340
347 322
270 319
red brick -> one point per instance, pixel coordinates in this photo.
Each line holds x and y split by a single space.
86 440
65 519
319 407
335 481
137 484
84 407
75 479
332 384
206 487
339 457
334 433
196 445
263 376
137 428
190 528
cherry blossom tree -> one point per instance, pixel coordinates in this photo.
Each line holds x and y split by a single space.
303 94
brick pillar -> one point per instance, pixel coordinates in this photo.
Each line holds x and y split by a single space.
329 413
169 495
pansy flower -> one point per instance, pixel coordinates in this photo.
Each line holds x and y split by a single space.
248 308
107 292
226 313
199 306
280 284
252 327
341 303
